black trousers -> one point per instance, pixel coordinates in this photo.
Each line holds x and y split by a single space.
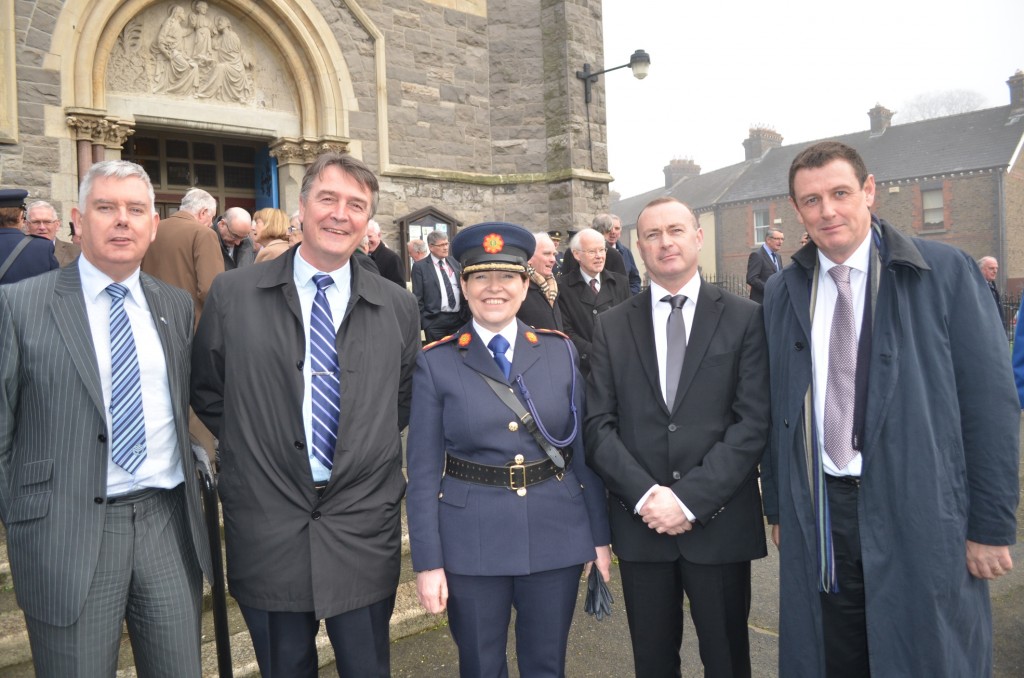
285 642
719 606
843 617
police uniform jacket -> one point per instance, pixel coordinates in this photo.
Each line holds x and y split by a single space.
36 258
473 529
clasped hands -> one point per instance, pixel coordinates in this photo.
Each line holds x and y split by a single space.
663 514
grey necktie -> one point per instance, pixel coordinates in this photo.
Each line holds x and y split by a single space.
842 374
675 347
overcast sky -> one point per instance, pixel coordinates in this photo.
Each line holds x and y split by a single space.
806 68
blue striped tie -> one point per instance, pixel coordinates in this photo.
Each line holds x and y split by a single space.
325 370
127 423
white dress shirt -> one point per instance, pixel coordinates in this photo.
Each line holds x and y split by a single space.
660 312
587 278
338 296
162 467
508 331
445 306
821 330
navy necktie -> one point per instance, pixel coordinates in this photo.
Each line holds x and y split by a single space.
324 369
498 345
127 423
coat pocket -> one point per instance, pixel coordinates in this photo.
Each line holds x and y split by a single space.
29 507
35 472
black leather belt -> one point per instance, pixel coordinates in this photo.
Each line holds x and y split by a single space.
511 476
844 480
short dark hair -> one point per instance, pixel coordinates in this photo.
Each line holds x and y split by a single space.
349 165
822 153
661 201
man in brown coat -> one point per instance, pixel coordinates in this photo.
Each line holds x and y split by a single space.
186 252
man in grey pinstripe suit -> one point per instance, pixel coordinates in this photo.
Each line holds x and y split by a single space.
96 540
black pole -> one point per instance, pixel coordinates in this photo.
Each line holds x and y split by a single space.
220 605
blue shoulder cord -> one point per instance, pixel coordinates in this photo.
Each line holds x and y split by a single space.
572 406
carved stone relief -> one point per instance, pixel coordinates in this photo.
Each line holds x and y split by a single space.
201 53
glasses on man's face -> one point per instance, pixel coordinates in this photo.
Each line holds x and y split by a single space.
593 253
42 222
441 245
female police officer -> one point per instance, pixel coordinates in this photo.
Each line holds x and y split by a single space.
500 516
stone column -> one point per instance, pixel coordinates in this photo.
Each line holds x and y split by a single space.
293 156
95 132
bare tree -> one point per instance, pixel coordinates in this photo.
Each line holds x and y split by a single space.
942 103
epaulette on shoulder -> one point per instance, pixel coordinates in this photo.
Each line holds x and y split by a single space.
554 332
443 340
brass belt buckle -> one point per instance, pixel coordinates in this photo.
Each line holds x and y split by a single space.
517 467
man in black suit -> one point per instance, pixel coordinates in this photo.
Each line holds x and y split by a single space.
613 235
540 308
435 282
990 271
763 263
235 232
587 291
388 263
677 419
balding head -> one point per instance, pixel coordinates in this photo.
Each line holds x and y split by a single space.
588 246
989 268
235 226
544 254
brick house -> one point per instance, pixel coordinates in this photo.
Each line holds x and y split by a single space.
957 179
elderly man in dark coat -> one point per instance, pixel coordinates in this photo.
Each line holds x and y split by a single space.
886 575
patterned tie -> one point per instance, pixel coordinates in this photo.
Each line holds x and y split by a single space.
449 293
593 286
775 260
498 345
842 374
326 386
127 423
675 331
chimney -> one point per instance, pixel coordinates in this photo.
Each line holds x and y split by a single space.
760 141
1016 83
881 118
678 169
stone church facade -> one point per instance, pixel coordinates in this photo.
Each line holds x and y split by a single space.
468 110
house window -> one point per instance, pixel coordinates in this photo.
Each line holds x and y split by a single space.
762 224
931 203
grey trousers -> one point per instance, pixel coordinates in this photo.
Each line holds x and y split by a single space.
148 576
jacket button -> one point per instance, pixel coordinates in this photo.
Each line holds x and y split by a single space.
799 345
672 427
315 515
98 500
785 422
102 437
594 311
299 365
299 445
676 475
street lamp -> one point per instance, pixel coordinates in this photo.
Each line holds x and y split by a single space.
639 63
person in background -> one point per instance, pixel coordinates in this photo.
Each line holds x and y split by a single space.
499 518
271 233
763 263
540 308
21 256
42 222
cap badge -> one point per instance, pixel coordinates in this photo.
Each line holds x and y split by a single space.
493 243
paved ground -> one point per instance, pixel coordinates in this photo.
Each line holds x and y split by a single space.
602 650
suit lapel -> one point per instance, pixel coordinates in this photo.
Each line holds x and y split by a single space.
798 284
477 357
525 354
705 323
69 314
159 311
641 325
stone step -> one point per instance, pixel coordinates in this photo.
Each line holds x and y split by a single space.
16 658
